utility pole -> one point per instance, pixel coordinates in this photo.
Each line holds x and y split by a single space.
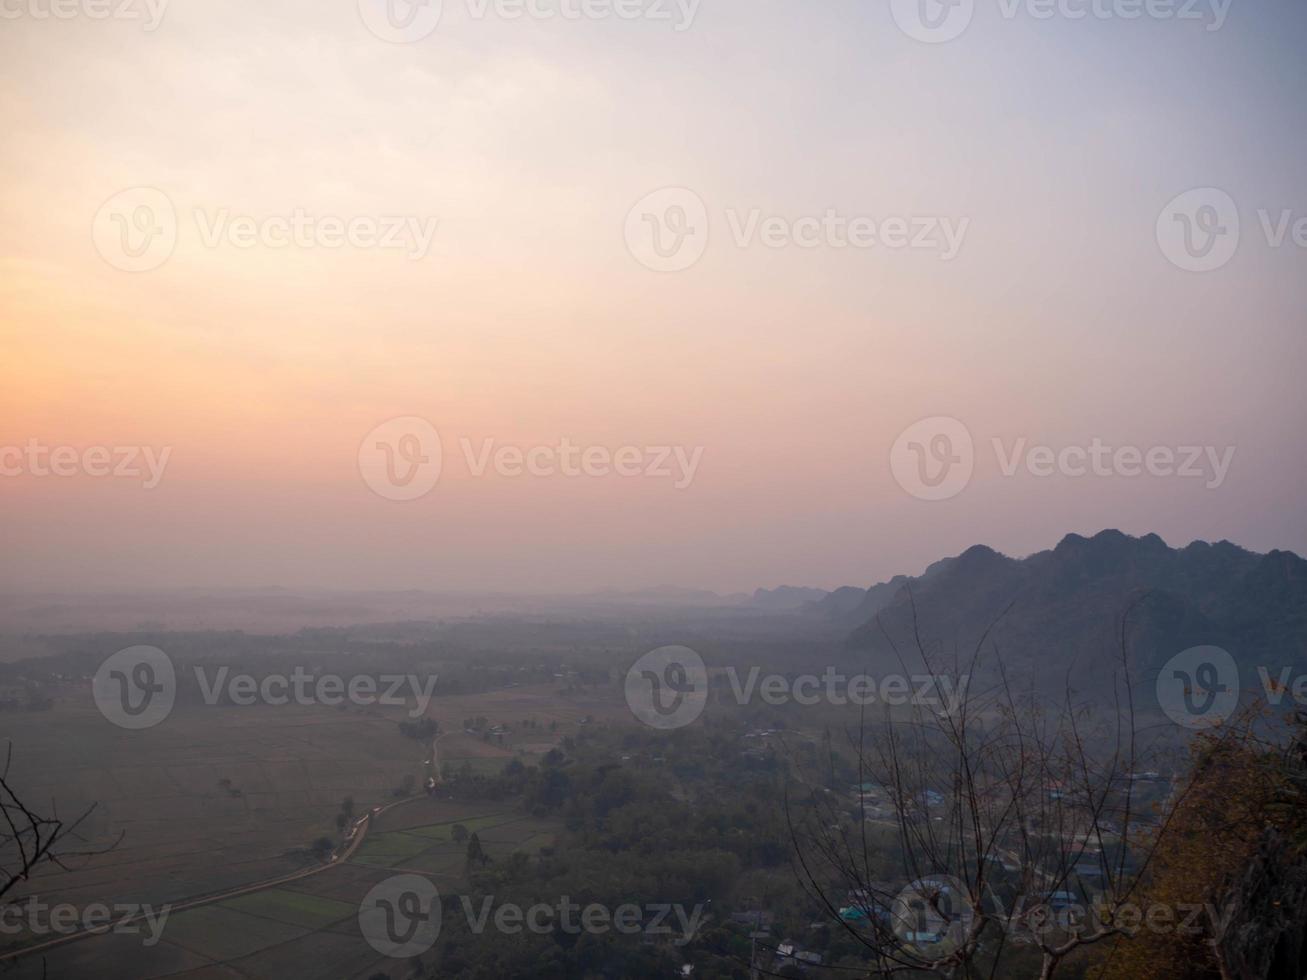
754 936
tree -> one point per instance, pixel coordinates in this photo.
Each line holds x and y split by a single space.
475 854
1236 846
29 839
1005 815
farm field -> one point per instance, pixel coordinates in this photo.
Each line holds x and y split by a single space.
420 838
219 797
212 798
305 928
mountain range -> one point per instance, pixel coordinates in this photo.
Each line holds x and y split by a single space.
1062 609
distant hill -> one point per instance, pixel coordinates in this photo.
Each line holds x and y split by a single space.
1067 603
786 597
855 606
841 604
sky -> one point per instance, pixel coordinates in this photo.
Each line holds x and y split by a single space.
718 295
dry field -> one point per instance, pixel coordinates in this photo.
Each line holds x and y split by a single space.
184 834
306 928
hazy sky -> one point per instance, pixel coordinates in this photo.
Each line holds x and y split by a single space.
1050 148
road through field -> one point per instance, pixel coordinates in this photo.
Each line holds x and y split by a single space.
352 844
